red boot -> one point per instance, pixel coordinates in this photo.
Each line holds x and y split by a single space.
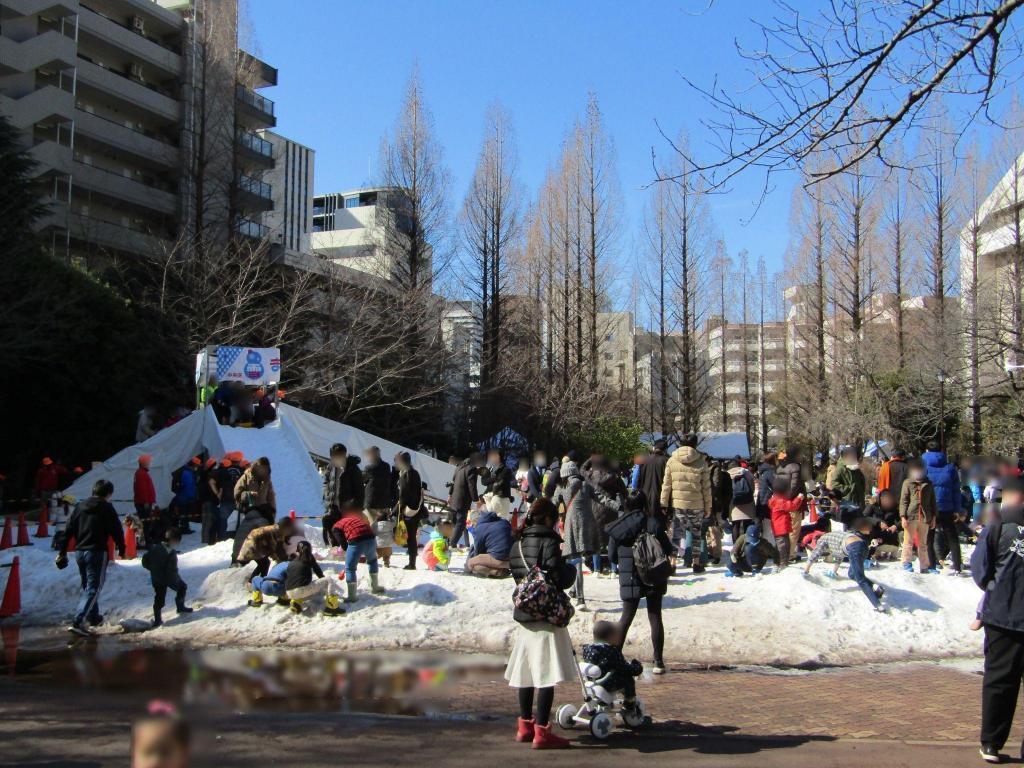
543 738
525 732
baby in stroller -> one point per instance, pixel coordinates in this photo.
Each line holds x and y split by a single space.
605 673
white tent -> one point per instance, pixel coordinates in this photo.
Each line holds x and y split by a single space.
717 445
287 442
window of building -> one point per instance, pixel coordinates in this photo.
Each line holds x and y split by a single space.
352 202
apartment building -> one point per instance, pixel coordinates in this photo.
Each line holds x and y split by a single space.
141 131
362 229
616 351
289 185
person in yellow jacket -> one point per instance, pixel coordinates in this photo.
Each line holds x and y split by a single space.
686 490
437 554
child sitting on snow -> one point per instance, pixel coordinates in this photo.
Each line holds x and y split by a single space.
606 653
161 560
299 584
271 585
353 534
436 554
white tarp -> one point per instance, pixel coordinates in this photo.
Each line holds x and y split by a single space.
717 445
319 434
170 449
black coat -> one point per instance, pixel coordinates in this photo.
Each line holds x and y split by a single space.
652 474
409 489
93 522
463 487
341 485
622 534
540 545
998 568
497 481
377 486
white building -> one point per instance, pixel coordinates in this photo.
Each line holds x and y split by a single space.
291 188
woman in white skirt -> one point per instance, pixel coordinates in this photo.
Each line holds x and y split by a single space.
542 655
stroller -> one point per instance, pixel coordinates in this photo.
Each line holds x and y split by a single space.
600 706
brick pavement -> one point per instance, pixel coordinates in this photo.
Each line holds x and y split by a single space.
918 703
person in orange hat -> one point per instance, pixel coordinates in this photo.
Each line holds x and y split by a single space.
144 497
47 479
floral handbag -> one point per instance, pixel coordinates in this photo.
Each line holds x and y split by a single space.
542 600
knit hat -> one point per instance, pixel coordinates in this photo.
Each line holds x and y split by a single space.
211 463
225 462
196 461
145 460
47 461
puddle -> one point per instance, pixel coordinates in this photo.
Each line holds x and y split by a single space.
250 680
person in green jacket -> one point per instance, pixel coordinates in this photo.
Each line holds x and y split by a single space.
161 560
849 486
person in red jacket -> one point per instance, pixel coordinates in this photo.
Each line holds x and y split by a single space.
144 496
354 535
47 480
781 509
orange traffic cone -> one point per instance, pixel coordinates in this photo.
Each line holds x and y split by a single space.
43 530
12 594
11 636
111 552
131 544
23 539
5 538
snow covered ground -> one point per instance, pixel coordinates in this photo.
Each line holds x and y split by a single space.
777 618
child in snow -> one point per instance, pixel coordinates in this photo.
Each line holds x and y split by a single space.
436 554
272 585
355 536
828 544
160 739
605 652
918 512
781 510
384 530
299 583
261 546
856 548
161 560
751 552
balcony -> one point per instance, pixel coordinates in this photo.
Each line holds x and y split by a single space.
38 106
252 229
124 188
258 108
254 148
253 194
261 74
48 48
132 92
117 135
115 237
116 34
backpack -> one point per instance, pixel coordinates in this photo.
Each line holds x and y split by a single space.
650 564
742 493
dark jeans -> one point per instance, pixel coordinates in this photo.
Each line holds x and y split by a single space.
412 525
226 508
1004 666
211 522
857 552
460 528
944 539
92 567
160 595
629 609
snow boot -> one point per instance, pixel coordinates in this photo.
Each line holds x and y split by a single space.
375 586
157 619
182 608
351 596
257 599
332 606
525 733
543 738
296 606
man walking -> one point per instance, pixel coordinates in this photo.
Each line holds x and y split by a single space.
997 566
464 495
91 524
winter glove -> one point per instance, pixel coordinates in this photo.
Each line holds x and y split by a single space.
62 561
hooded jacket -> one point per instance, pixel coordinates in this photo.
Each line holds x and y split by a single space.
267 541
687 481
997 566
492 536
622 535
792 472
580 528
946 479
252 490
436 553
91 524
849 484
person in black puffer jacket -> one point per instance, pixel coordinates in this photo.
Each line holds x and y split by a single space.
622 534
377 485
542 655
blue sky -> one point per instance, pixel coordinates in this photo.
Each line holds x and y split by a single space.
343 67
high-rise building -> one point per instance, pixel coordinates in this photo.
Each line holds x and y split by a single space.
290 187
142 117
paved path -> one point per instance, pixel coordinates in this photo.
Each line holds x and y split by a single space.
919 716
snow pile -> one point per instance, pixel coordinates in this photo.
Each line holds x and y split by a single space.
776 618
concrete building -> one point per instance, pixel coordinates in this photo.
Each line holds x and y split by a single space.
616 351
109 97
361 228
290 187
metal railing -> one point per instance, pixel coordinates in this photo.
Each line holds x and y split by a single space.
257 144
254 186
250 228
253 99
